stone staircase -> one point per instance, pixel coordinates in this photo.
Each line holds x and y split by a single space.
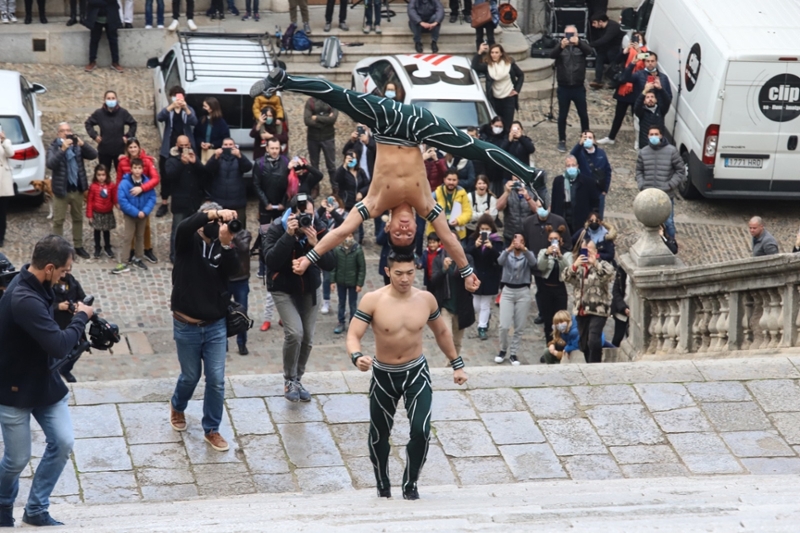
741 503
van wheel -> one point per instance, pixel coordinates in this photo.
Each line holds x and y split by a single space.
687 189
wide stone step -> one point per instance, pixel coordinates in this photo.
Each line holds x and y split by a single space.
741 503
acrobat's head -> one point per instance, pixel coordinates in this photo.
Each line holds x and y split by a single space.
402 226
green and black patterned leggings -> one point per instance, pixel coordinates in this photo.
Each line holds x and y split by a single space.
412 382
408 125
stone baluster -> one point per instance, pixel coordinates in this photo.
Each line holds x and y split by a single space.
704 321
713 316
658 309
797 322
721 340
761 325
747 315
652 327
697 333
775 317
672 330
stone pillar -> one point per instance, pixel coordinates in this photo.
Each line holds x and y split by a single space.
652 207
790 310
735 313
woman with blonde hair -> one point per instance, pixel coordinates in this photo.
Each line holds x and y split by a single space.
565 339
504 80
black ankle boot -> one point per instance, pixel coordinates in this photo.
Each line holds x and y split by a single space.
411 494
385 493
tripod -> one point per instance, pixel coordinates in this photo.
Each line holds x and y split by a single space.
549 117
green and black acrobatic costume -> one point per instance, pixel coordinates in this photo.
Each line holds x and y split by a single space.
396 123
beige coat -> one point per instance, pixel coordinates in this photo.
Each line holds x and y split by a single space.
6 177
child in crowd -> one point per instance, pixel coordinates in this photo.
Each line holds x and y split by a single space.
274 101
136 209
65 291
515 302
348 276
434 250
100 209
332 215
565 338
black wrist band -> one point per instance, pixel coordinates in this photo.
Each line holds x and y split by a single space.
466 271
354 356
457 363
313 257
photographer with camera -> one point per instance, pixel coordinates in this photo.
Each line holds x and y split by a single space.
226 183
518 202
297 297
32 341
205 259
65 158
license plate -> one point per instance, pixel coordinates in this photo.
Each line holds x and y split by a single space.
737 162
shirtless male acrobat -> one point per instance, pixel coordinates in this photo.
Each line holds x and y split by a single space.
398 313
399 182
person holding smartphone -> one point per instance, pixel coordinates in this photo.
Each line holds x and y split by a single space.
649 74
634 55
570 55
179 119
590 278
225 177
606 46
552 291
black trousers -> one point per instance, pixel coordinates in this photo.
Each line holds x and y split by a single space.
176 9
550 299
467 7
619 116
29 7
489 29
73 8
342 11
94 42
620 331
567 94
162 171
590 329
505 107
4 200
328 148
109 162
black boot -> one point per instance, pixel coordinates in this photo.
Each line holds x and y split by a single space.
42 17
6 516
28 11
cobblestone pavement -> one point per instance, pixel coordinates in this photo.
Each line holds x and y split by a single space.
708 231
653 420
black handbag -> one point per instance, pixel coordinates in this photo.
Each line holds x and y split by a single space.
237 320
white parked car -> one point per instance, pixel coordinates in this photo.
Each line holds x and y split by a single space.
21 122
444 84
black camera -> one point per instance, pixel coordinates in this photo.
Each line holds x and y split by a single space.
360 130
305 220
74 139
7 273
102 336
515 185
235 225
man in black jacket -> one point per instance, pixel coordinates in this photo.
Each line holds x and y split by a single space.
363 144
183 181
270 179
205 259
32 341
296 296
570 55
651 107
65 158
607 45
226 184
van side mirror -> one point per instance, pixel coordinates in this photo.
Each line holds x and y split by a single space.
153 62
38 88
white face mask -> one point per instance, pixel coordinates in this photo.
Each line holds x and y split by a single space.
496 130
562 327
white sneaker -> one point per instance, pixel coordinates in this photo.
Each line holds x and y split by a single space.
174 25
160 26
606 140
191 24
500 357
4 18
12 17
326 307
148 27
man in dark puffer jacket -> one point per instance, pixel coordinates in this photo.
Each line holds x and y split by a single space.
226 186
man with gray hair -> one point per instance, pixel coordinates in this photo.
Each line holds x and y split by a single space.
763 241
65 158
205 260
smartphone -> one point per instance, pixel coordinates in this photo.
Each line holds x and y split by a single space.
651 79
554 242
635 39
360 130
570 34
185 151
295 159
642 56
227 150
331 200
484 236
584 252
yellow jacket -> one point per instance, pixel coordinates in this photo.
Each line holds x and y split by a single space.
460 196
261 101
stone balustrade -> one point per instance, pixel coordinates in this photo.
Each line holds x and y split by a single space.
720 310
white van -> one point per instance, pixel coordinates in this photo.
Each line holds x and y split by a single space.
221 65
737 63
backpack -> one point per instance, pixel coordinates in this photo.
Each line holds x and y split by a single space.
301 42
286 39
331 52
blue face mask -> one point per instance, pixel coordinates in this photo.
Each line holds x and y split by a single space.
588 143
268 121
390 94
352 163
655 140
542 212
572 172
111 104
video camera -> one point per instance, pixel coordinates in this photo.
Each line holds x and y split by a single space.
102 336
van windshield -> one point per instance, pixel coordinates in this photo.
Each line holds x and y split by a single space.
13 129
236 108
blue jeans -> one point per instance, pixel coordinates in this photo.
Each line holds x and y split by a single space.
239 291
372 7
346 293
16 423
669 224
201 349
418 31
148 12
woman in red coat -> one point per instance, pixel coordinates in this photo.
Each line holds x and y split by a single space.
133 150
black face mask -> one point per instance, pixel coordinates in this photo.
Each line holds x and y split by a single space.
594 225
211 230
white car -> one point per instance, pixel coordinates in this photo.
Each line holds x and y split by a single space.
21 122
444 84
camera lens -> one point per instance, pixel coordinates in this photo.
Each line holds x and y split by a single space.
304 220
235 226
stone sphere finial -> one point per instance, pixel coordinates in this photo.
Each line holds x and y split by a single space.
652 207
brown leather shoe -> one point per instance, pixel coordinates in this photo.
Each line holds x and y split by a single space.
91 66
115 66
176 419
216 441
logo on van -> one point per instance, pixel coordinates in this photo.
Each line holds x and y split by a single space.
779 98
692 70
